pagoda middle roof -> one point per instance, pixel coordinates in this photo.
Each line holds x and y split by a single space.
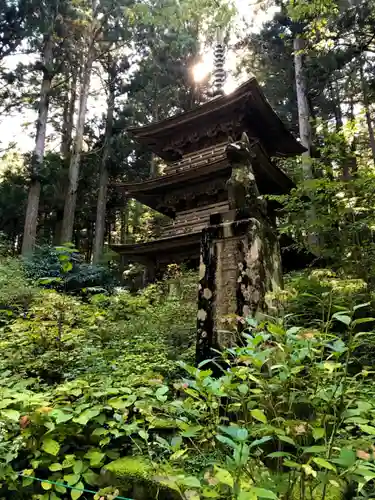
209 118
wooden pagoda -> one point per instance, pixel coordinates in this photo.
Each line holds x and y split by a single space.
193 186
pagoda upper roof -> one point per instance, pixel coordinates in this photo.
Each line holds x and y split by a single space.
245 108
156 192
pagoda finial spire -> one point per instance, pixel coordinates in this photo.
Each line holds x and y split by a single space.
219 61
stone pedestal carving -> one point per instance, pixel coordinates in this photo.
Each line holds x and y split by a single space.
240 263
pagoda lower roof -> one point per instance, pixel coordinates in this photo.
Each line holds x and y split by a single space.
169 137
176 249
270 180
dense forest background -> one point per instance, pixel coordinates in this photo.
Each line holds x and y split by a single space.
131 63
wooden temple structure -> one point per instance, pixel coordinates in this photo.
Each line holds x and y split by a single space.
193 187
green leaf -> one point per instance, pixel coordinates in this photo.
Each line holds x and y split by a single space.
262 493
360 321
323 463
95 457
243 389
66 266
177 454
91 477
46 486
278 454
226 440
286 439
11 414
209 493
314 449
86 415
347 458
223 476
259 415
61 416
144 435
368 429
318 433
258 442
78 467
343 318
75 493
291 464
361 306
55 467
50 446
72 479
190 481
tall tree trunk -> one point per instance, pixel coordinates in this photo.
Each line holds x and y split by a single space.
303 107
31 219
366 105
68 116
305 130
104 175
71 196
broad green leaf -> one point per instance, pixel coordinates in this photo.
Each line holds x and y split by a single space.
86 415
347 458
60 416
75 494
6 402
368 429
55 467
292 464
318 433
360 321
78 467
259 415
263 493
226 440
143 434
50 446
72 479
46 486
209 493
190 481
224 477
177 454
323 463
11 414
258 442
343 318
95 457
91 477
314 449
286 439
66 266
243 389
247 495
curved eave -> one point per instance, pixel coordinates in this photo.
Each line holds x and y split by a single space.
151 248
270 180
276 137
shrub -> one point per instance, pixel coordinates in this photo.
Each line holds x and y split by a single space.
46 262
281 422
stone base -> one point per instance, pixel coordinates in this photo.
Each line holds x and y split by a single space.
240 264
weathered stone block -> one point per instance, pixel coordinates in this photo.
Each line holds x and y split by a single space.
240 264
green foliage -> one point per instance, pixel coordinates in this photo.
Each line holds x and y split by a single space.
64 269
15 292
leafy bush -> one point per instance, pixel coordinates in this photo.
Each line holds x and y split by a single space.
46 262
285 420
15 292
